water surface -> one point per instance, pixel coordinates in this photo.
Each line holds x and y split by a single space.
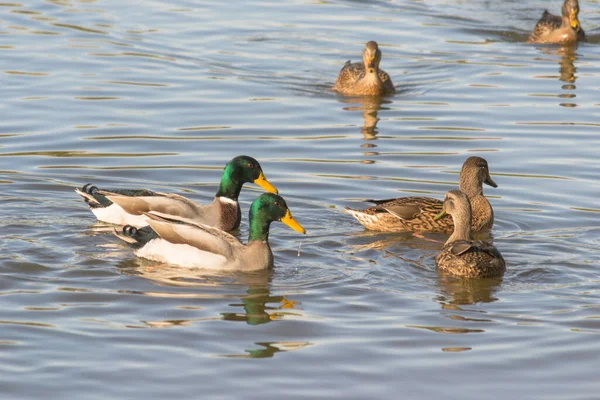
160 94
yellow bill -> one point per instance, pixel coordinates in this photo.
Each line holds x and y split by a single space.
264 183
573 19
291 222
440 216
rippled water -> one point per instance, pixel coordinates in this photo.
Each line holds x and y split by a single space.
160 94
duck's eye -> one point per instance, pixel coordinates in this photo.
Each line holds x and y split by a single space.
250 165
277 204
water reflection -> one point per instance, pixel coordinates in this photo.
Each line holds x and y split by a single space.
255 307
461 291
566 69
269 349
369 107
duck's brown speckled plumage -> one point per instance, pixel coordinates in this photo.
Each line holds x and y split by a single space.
365 79
416 214
564 29
461 255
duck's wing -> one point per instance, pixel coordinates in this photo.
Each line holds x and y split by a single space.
546 24
407 208
167 203
350 73
180 230
460 247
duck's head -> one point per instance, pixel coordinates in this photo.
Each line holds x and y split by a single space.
473 174
570 10
270 207
371 57
240 170
457 204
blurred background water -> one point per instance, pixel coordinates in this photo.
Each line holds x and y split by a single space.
161 94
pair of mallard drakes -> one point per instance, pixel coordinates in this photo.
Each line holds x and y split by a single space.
366 79
190 235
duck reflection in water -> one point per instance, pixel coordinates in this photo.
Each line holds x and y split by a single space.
255 302
566 70
256 310
369 107
456 291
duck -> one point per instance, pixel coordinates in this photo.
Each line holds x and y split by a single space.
127 206
565 29
365 79
461 255
190 244
416 214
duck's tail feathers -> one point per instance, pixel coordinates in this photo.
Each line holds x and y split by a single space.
88 191
136 237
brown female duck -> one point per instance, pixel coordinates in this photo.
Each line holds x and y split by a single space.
365 79
416 214
461 255
559 30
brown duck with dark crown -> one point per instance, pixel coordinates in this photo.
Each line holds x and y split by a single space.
365 79
416 214
559 30
461 255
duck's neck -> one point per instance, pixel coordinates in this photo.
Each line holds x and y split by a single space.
462 225
259 226
470 185
371 77
566 22
230 185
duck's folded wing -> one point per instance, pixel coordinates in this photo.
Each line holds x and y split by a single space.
179 230
460 247
403 211
167 203
408 208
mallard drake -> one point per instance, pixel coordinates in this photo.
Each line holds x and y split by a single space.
560 30
127 206
190 244
416 214
461 255
365 79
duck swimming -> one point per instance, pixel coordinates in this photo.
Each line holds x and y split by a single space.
417 214
565 29
365 79
193 245
461 255
127 206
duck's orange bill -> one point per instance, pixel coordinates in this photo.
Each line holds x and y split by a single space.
264 183
573 19
291 222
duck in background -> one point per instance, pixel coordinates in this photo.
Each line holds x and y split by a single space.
559 30
365 79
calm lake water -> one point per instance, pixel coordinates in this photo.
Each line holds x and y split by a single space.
161 94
